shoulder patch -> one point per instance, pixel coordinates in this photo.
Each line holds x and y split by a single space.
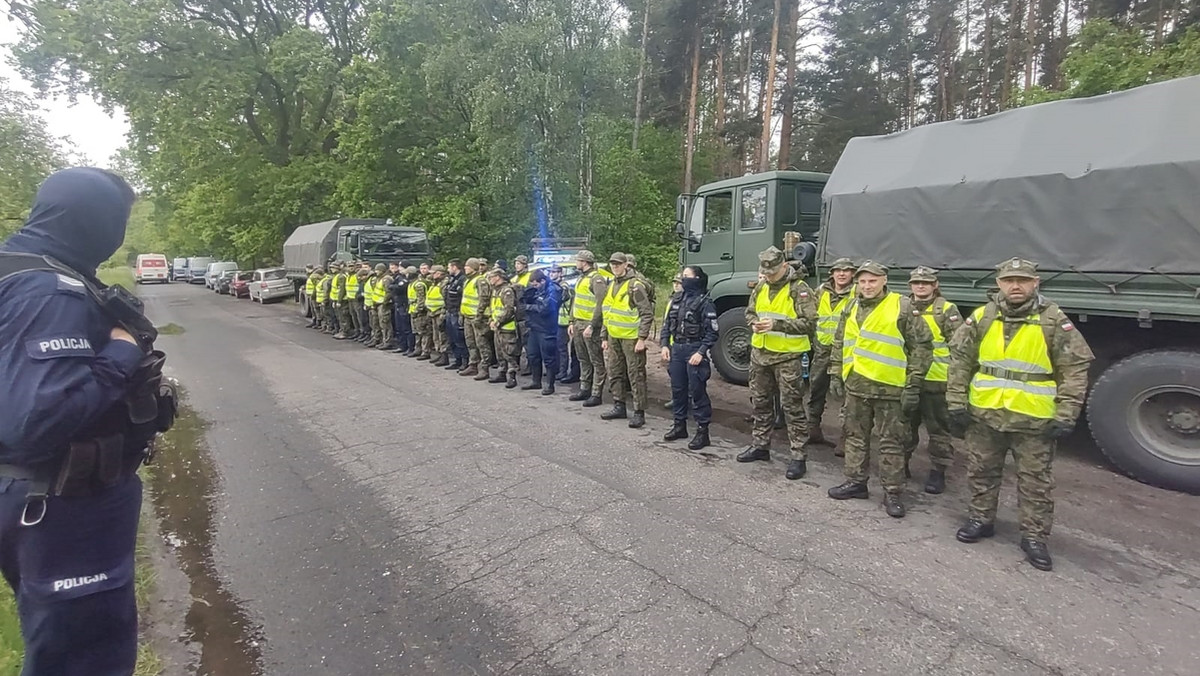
1068 326
70 284
59 346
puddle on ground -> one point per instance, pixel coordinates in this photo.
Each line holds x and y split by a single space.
185 483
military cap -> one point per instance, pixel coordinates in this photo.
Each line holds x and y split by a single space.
437 268
308 267
483 263
632 260
771 260
1017 267
843 264
873 268
472 263
678 278
497 272
410 270
923 273
522 259
585 256
618 257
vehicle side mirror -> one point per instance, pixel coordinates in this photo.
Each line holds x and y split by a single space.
681 203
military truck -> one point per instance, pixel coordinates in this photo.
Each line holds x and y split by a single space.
374 240
1103 193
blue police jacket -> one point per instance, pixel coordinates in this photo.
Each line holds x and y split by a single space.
541 307
61 372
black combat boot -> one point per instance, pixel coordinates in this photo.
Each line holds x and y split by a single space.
839 452
548 389
617 411
498 378
423 357
442 361
532 385
849 489
581 395
512 381
456 366
678 431
1037 553
637 420
815 435
700 440
593 400
975 530
936 483
796 470
754 453
569 380
484 374
893 505
371 343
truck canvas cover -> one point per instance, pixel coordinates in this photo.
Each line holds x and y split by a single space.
312 244
1104 184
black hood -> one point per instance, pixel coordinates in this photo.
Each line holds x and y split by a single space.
78 218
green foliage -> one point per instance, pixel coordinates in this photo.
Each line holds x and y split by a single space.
27 155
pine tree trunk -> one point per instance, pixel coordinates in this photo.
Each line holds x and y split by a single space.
690 142
986 87
719 86
641 76
788 104
768 106
1010 52
1030 41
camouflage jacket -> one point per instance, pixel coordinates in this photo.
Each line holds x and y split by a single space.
805 323
417 305
834 299
508 304
485 300
386 282
948 320
1070 356
918 349
638 298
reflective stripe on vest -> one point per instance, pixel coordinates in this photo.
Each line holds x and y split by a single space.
310 287
940 369
337 290
470 301
369 292
584 308
829 315
379 292
875 351
497 308
521 278
1022 381
433 299
780 307
351 287
620 319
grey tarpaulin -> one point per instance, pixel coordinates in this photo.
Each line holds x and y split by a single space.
1104 184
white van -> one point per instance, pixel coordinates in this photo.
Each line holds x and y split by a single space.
151 268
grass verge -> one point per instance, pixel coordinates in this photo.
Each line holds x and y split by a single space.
120 275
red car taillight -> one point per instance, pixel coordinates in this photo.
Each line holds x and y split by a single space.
263 286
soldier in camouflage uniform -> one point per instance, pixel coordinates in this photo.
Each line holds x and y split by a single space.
881 353
440 354
310 291
586 324
1018 376
832 298
627 316
385 308
418 288
943 319
342 303
782 314
504 325
324 288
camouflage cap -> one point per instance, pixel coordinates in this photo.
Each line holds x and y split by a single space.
380 267
843 264
483 263
923 273
497 272
522 259
437 268
771 260
678 278
319 270
585 256
308 267
618 258
873 268
410 270
632 260
472 263
1017 267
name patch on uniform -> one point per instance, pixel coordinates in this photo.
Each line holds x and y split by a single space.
49 348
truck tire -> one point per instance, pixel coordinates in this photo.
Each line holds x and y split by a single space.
305 310
731 354
1144 413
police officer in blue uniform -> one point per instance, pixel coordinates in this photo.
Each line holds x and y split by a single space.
73 429
687 336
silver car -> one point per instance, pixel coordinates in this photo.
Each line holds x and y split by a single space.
270 284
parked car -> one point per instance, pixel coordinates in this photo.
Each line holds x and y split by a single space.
151 268
270 284
215 270
224 280
239 286
179 269
197 267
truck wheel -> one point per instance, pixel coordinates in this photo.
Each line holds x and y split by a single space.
305 310
1144 413
731 354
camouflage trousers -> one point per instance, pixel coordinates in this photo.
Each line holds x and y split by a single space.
355 316
786 378
1034 458
626 370
383 317
373 322
592 370
479 342
441 342
934 414
423 328
345 323
508 351
883 420
818 386
318 311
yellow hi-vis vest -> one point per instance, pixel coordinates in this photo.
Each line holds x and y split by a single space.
310 286
369 292
351 287
412 295
322 290
337 290
875 350
379 292
521 278
470 300
584 308
434 301
1017 377
828 316
939 371
497 308
620 319
780 307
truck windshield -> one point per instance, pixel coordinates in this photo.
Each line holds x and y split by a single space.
383 244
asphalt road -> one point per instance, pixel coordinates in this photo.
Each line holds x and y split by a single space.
380 516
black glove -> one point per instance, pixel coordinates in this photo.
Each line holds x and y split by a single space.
836 387
910 400
957 421
1057 429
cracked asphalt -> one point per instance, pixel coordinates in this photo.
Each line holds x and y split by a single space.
380 516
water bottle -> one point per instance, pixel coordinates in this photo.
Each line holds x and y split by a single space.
804 365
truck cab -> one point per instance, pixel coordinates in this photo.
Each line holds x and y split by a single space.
724 226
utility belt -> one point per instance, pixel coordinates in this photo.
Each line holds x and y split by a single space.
1020 376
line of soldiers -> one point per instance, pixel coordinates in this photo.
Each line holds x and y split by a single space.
1010 377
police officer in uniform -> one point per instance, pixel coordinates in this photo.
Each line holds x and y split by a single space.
540 302
688 334
78 390
402 320
453 293
1018 376
568 361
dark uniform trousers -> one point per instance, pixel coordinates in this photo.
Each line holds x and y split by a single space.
689 383
458 338
541 349
405 339
568 361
